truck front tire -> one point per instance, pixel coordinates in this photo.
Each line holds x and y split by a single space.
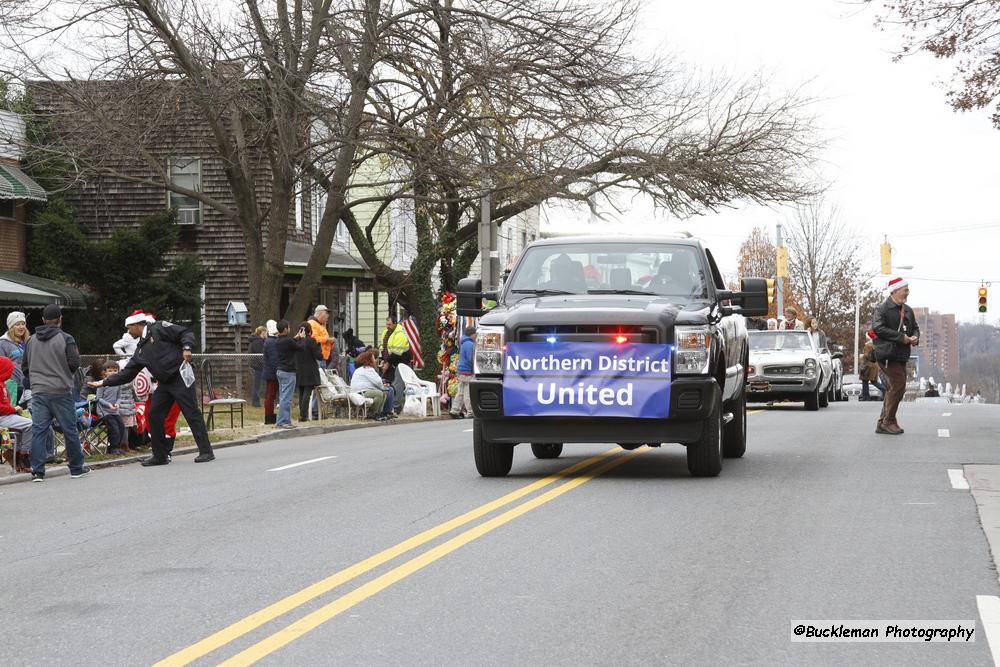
734 435
492 459
546 450
704 457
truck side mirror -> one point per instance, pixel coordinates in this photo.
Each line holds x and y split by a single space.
470 297
754 293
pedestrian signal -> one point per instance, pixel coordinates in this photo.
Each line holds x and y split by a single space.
771 290
982 299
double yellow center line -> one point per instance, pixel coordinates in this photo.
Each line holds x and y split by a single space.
609 459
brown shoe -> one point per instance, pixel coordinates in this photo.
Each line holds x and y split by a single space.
893 429
880 428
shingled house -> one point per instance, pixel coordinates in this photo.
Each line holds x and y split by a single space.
18 290
164 124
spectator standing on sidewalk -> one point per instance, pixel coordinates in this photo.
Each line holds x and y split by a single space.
12 345
51 359
307 364
316 328
109 407
869 371
256 364
163 347
467 348
269 372
287 348
896 331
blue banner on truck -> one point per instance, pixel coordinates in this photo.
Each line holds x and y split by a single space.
587 379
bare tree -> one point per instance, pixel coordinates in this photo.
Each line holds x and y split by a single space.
527 100
963 30
825 269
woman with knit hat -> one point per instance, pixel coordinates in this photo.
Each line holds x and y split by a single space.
12 345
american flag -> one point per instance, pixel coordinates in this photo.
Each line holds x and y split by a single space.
413 337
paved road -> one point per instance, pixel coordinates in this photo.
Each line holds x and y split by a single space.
638 564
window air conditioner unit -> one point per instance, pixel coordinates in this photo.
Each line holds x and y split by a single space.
188 216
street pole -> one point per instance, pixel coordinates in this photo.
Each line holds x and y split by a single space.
484 233
857 326
780 283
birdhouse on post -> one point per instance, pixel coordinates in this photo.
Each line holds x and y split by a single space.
237 314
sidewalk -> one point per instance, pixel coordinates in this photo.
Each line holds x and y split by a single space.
267 436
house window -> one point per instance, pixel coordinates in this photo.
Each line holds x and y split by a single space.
7 208
185 172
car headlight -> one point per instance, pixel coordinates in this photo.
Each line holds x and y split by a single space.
693 343
489 351
810 368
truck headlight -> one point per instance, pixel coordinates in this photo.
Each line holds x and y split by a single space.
810 368
693 347
489 351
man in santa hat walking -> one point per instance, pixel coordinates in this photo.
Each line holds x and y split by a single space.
896 331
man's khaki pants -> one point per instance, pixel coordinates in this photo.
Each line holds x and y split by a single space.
895 374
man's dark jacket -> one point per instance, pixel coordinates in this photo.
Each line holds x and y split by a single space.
160 351
891 324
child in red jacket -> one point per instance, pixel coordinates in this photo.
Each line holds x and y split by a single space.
10 420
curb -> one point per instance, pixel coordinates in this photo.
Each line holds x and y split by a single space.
287 434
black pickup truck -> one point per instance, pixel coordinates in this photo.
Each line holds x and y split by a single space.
627 340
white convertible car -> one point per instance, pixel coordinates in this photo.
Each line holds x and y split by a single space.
788 365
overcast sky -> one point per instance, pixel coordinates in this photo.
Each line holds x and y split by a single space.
901 162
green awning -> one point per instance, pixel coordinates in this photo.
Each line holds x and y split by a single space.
15 184
25 289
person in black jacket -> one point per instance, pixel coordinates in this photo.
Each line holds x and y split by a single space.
162 348
896 331
307 362
257 364
288 348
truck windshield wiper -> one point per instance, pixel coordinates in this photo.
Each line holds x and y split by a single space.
540 292
621 291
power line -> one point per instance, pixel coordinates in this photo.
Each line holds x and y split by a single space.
951 280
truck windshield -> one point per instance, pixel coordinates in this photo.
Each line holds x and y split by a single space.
779 340
603 268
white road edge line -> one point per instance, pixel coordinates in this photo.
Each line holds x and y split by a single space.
989 614
946 414
302 463
944 433
958 480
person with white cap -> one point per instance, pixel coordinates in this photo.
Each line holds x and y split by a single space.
12 345
126 345
163 349
896 331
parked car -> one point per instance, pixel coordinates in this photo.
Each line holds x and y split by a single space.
833 370
852 388
787 365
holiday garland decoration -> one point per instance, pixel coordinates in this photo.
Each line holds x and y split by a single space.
447 356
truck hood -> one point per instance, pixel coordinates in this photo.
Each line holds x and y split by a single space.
597 309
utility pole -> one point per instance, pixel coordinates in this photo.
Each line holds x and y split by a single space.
781 281
489 251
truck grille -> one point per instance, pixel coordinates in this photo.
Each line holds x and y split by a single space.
586 333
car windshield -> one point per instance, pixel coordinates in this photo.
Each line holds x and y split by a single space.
603 268
779 340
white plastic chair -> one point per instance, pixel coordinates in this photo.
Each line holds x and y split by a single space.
334 389
417 387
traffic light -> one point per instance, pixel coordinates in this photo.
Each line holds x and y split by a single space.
772 290
982 299
885 257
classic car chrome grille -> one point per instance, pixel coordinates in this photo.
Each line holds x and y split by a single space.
783 370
